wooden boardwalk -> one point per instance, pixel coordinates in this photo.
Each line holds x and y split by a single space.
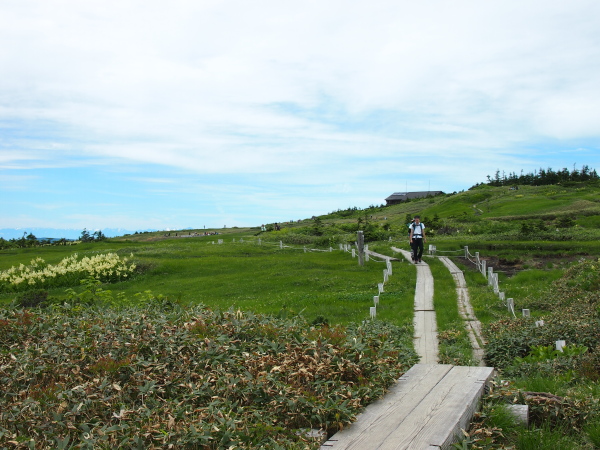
466 310
425 325
426 409
430 404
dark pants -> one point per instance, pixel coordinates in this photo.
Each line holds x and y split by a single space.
417 248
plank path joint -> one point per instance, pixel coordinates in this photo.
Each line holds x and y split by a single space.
426 409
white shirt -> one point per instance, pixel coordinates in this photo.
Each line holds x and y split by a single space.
417 230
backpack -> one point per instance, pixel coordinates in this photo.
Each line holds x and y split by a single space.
412 227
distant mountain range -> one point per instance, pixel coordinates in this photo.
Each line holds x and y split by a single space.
58 233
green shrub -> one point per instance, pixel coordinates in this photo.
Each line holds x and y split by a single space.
509 339
160 375
32 299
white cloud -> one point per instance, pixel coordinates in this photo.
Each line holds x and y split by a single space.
316 94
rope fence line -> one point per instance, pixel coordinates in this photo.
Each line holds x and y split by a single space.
481 264
492 277
346 248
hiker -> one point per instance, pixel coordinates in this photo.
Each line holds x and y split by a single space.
417 238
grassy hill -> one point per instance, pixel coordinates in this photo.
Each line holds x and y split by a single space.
486 205
253 341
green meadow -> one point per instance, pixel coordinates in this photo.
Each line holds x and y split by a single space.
247 339
242 273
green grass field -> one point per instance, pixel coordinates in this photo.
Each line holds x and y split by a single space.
248 276
547 268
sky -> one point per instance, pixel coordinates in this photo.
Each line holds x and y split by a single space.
203 113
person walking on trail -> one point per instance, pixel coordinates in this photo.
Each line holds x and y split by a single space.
417 238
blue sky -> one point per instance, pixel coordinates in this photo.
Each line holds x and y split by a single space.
145 114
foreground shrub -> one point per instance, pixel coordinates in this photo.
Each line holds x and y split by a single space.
573 305
165 375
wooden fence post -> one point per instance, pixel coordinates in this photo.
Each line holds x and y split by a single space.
510 304
520 412
360 243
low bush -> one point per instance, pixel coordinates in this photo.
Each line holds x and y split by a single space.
32 299
571 312
162 375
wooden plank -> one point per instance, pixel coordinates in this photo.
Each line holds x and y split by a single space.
425 336
442 413
427 407
371 426
379 255
466 311
424 289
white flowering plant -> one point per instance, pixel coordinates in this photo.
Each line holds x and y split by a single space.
107 268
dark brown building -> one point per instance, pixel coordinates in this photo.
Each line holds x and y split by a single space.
399 197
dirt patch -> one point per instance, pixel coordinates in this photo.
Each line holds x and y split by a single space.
512 267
